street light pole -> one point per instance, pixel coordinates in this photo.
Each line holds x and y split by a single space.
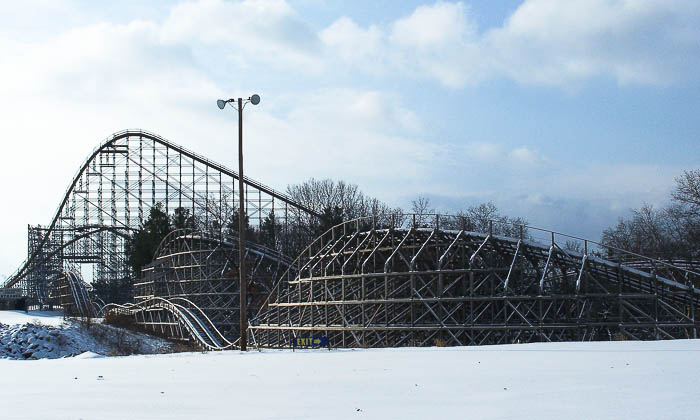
243 283
241 236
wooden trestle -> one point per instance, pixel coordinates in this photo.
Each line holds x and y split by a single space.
423 284
202 268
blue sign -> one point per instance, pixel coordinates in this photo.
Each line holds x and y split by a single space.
311 342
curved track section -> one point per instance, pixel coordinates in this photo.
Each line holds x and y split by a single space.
75 296
434 283
176 318
112 193
202 268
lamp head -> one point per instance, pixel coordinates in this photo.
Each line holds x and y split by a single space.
221 103
255 99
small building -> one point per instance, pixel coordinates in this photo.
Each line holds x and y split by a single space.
12 298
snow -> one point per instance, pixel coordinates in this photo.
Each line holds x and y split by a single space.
46 335
54 318
640 380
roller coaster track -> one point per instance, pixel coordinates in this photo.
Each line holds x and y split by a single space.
369 284
76 296
183 316
229 241
202 267
111 194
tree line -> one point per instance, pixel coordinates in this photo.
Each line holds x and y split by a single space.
335 201
670 232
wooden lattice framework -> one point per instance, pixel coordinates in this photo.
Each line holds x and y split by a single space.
112 193
203 268
421 284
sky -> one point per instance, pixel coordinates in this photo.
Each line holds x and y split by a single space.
568 114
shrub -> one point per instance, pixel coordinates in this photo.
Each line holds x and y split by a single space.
619 336
439 342
120 320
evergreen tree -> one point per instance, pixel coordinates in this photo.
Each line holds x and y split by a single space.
331 216
182 219
269 231
232 227
144 242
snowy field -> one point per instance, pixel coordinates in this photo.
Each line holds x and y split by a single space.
609 380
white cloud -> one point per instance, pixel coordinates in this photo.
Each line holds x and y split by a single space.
544 42
486 151
557 43
526 156
439 42
353 43
342 134
436 26
266 31
434 42
490 152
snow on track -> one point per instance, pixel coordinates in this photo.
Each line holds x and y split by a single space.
606 380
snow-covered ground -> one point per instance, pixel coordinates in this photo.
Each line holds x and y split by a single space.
608 380
53 318
46 335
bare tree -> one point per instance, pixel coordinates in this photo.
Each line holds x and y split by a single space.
574 246
687 191
422 209
685 211
320 195
486 217
337 201
671 232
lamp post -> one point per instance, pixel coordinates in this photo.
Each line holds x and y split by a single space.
254 99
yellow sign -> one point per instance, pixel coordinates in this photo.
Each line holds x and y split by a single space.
310 342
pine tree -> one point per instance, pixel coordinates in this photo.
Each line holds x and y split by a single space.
331 216
182 219
269 231
232 227
145 241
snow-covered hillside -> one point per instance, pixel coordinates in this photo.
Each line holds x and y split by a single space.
46 335
608 380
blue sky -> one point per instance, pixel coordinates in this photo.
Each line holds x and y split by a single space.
568 114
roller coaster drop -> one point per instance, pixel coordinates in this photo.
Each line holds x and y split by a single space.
410 280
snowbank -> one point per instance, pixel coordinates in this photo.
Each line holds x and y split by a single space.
608 380
42 335
32 341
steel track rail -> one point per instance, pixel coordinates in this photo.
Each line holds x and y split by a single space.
186 313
